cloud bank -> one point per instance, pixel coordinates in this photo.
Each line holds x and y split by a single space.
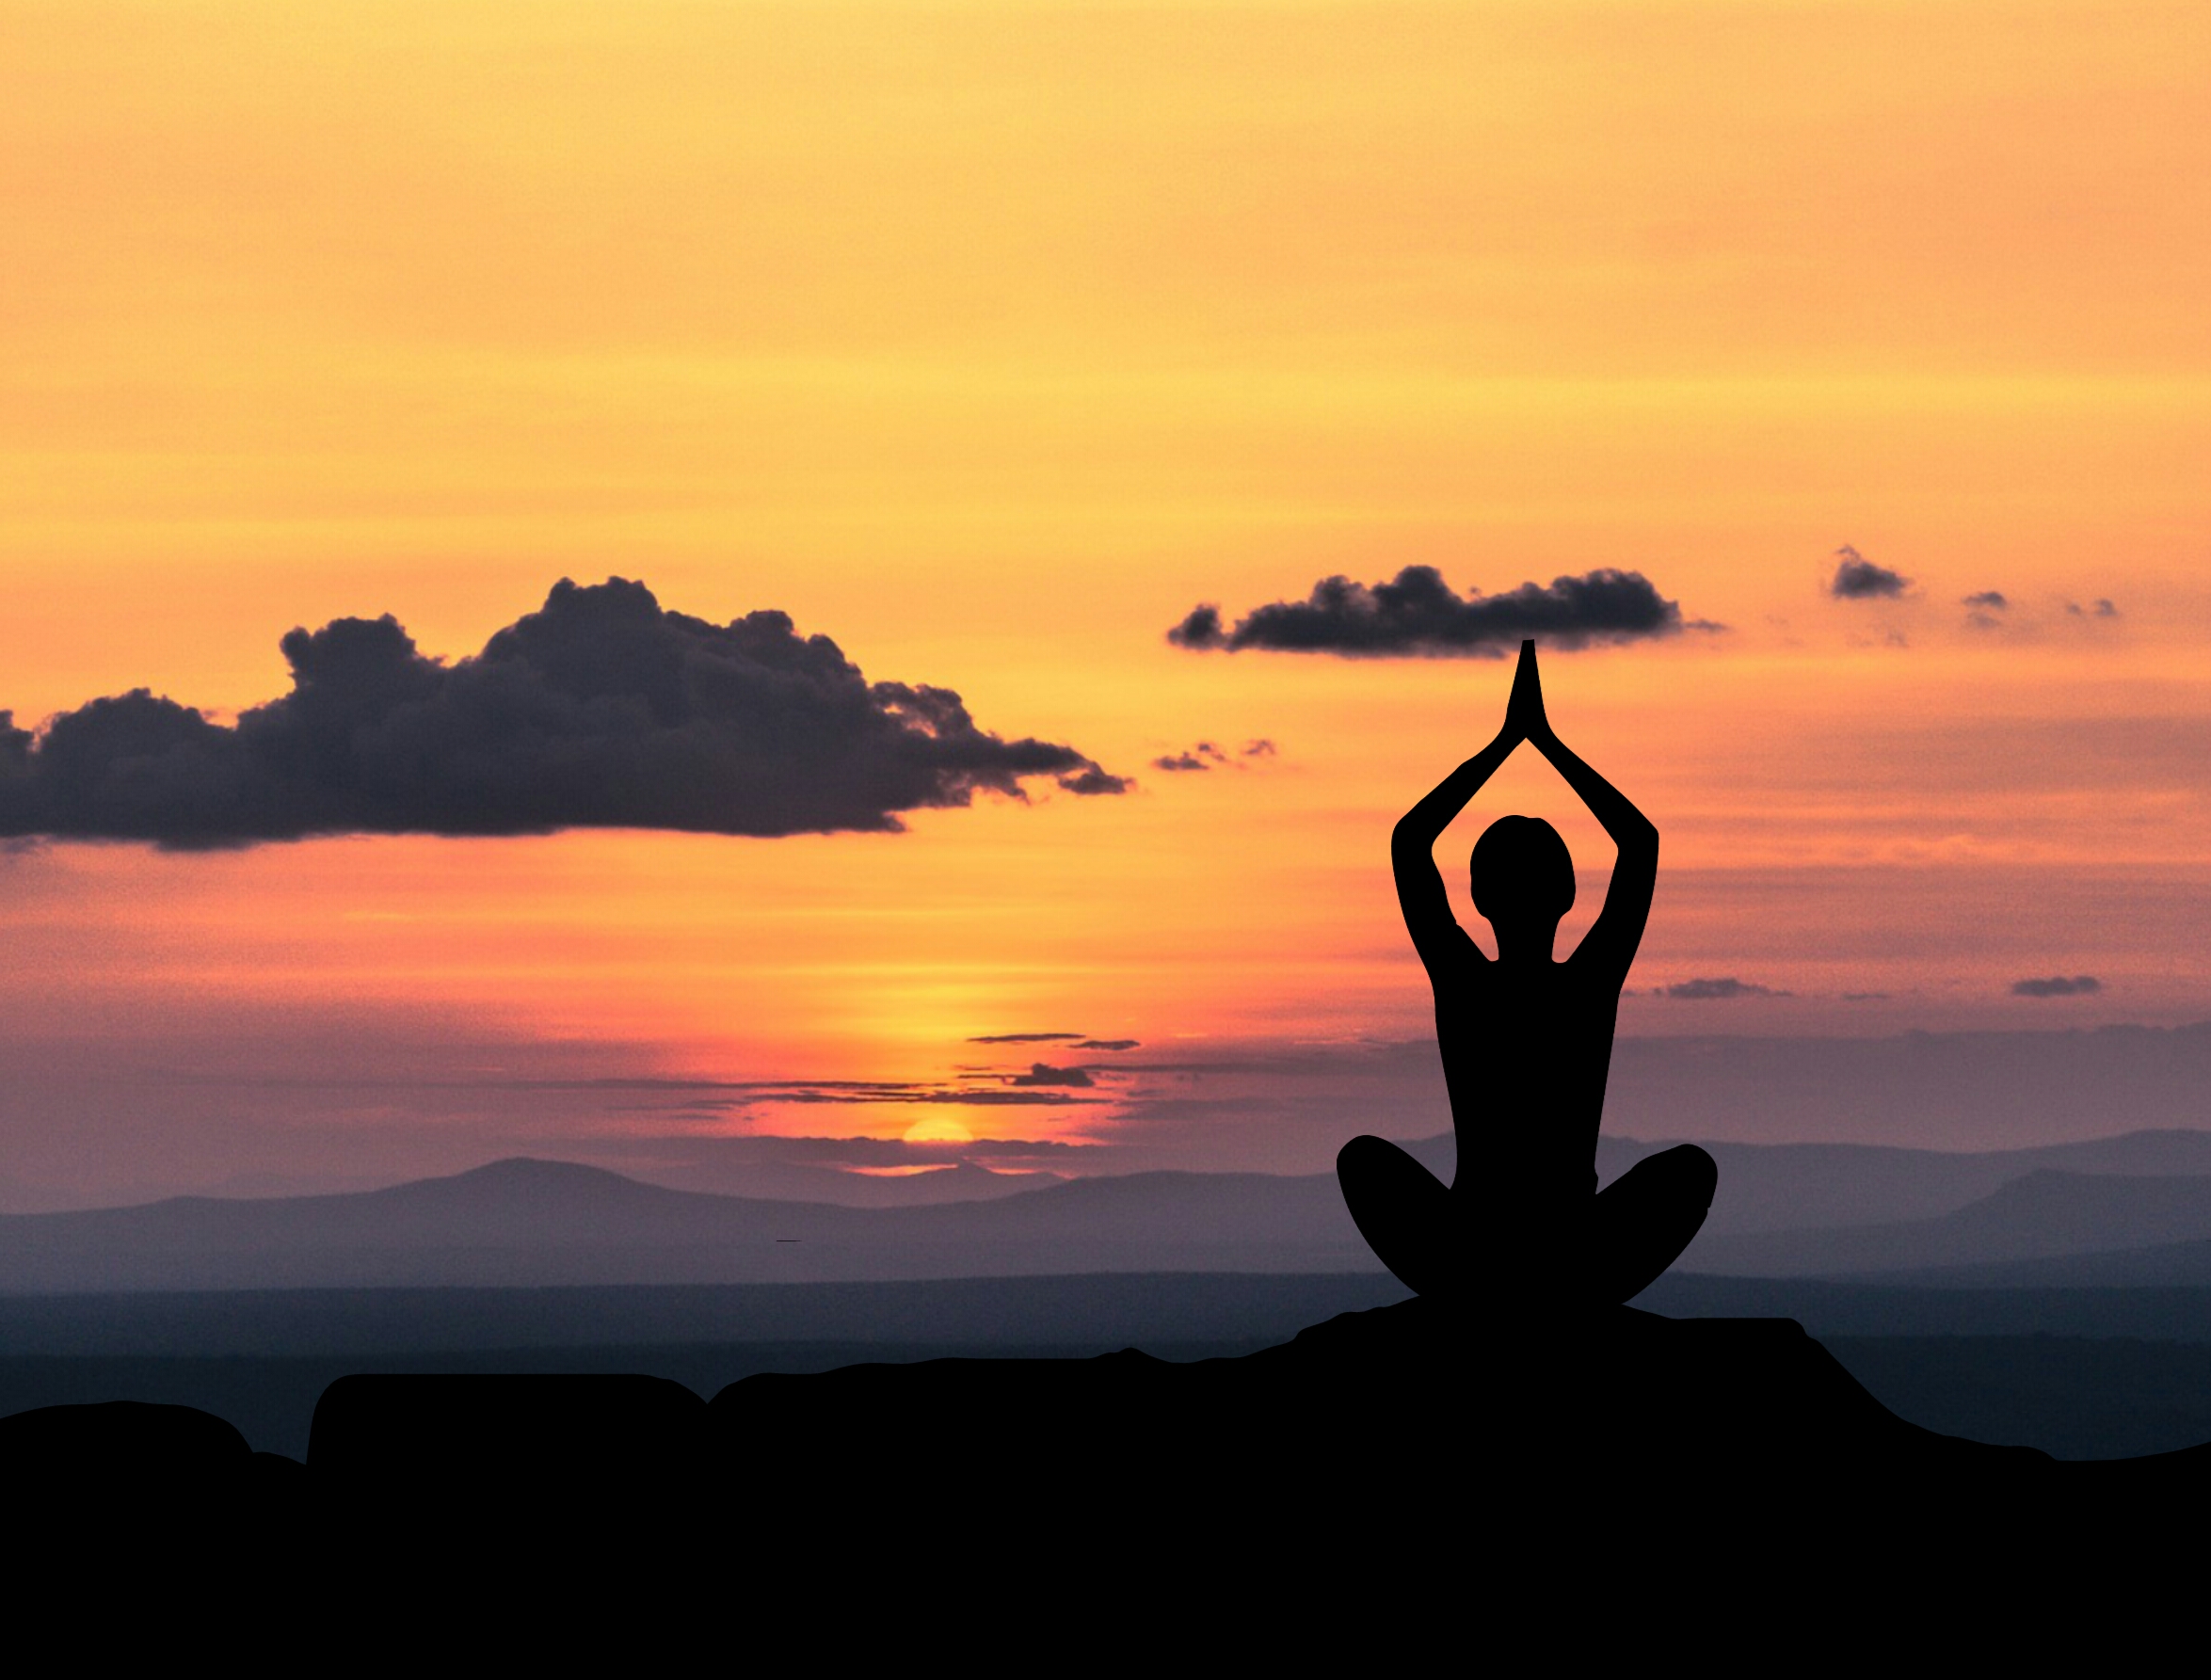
1417 612
600 710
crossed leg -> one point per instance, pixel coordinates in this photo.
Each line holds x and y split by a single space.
1404 1214
1634 1229
1644 1218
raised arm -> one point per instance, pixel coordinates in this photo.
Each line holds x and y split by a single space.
1627 902
1412 852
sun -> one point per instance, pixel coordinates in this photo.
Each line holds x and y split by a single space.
939 1130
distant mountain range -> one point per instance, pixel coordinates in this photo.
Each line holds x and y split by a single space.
530 1223
2135 1208
1793 1187
2044 1216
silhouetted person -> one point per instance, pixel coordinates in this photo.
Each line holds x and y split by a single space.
1526 1043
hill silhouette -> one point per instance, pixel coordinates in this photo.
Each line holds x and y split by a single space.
529 1223
1783 1187
2158 1268
524 1221
2043 1214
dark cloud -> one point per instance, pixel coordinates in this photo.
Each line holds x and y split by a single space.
1207 754
2056 986
869 1152
1094 780
1042 1073
1857 578
1699 991
2102 609
959 1097
1108 1044
1982 608
1417 613
599 711
1021 1037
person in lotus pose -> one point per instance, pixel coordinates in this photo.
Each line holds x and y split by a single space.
1526 1043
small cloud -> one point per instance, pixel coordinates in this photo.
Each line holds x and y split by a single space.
1204 756
1207 754
1417 614
1983 607
1864 996
1021 1037
1702 991
1094 780
1857 578
2105 609
1043 1074
2058 985
1108 1044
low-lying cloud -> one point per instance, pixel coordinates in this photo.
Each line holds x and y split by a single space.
1044 1074
1705 991
1857 578
2058 985
600 710
835 1093
1417 614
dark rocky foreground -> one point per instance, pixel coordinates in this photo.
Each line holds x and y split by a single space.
1398 1460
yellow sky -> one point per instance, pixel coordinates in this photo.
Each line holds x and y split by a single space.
987 340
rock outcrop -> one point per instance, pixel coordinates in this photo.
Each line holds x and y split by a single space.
1400 1454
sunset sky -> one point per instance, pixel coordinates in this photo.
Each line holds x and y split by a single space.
988 341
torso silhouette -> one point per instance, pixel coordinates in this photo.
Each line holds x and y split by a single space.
1527 1048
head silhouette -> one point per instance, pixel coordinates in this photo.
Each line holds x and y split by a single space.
1522 874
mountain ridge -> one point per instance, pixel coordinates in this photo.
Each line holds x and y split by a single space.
533 1220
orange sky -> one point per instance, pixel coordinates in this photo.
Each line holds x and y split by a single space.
987 340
